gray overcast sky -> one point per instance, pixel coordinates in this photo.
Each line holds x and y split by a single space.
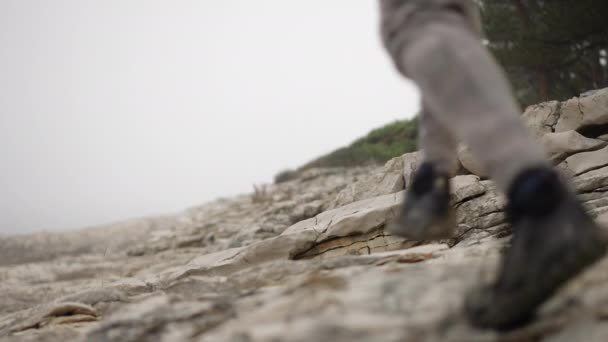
112 109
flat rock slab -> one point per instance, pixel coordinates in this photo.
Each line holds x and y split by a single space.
563 144
586 161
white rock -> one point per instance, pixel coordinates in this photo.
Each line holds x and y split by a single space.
541 118
586 161
389 179
579 112
465 187
563 144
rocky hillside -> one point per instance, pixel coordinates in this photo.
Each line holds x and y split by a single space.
306 260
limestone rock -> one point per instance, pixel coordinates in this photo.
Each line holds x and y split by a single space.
586 161
304 260
602 219
542 118
465 187
341 227
584 111
390 179
306 211
161 319
47 315
573 114
595 180
563 144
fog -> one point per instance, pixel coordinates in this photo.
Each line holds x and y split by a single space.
124 108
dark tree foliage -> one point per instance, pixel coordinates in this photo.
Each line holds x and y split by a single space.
551 49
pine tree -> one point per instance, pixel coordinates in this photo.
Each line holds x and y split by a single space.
550 49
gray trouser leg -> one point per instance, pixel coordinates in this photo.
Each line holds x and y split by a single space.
437 143
461 83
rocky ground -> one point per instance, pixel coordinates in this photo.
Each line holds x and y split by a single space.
306 260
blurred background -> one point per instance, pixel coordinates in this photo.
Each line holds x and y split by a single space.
116 109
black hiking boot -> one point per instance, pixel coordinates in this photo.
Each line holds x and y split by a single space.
426 213
553 241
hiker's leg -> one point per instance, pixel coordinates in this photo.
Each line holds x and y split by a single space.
437 143
435 43
426 213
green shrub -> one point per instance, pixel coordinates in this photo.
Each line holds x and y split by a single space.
285 176
377 146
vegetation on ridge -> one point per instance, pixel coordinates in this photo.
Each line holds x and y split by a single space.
378 146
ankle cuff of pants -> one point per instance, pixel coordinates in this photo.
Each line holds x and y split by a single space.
425 178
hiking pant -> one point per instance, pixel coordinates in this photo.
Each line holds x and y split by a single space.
465 95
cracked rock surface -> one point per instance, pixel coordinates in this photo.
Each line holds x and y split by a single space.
306 260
